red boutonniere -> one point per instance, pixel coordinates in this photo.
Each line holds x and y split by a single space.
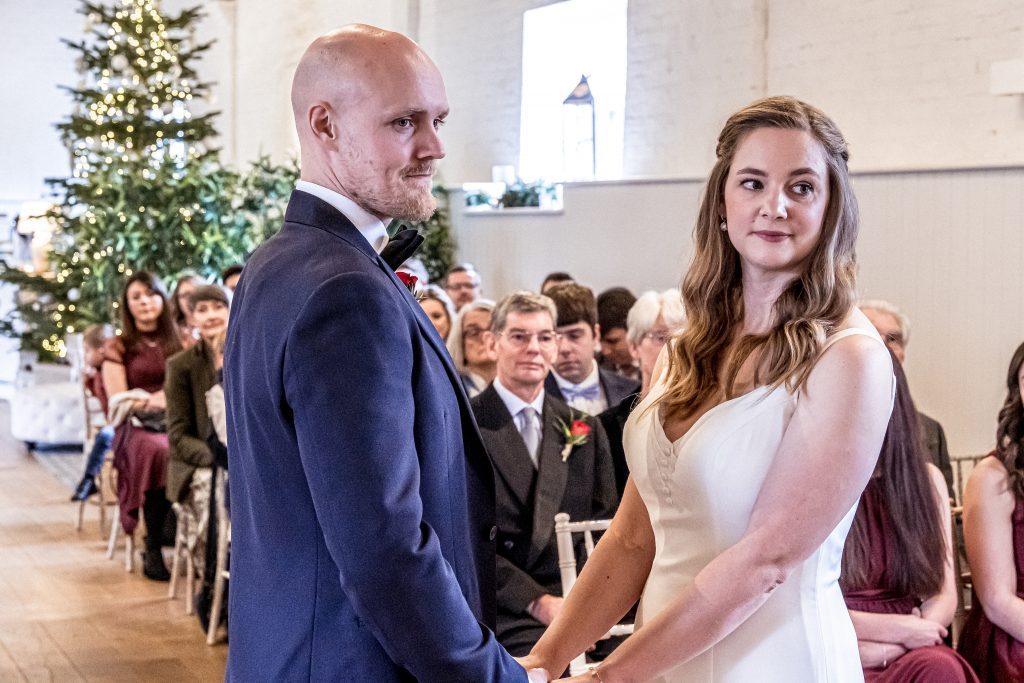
410 281
575 433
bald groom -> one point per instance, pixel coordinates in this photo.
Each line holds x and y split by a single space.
362 500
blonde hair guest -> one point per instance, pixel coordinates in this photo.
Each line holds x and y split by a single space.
758 435
473 359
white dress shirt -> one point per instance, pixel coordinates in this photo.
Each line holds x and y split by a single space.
515 407
369 226
588 406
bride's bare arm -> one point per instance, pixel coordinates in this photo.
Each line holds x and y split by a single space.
611 582
825 459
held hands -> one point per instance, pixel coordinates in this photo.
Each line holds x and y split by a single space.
534 673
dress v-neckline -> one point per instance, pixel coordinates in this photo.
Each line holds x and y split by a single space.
682 438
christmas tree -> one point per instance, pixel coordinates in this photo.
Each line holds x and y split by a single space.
146 191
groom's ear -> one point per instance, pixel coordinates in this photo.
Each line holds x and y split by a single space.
321 122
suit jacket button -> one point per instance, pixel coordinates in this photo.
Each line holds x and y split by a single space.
493 533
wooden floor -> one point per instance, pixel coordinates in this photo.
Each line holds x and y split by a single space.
67 613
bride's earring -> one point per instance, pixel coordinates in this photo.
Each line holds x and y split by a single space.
722 226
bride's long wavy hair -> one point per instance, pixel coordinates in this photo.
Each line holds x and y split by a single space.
804 314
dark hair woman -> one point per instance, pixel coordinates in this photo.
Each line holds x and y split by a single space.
186 284
900 599
993 637
133 368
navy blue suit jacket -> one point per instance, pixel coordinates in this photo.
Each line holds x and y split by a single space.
362 499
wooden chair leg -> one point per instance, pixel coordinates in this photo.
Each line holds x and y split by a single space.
129 552
190 583
179 541
115 528
81 515
223 536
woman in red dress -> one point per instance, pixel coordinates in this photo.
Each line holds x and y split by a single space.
136 360
901 601
993 637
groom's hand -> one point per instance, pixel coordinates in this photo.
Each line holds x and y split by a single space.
535 673
545 608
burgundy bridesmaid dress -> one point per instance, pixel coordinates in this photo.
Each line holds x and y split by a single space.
934 664
993 653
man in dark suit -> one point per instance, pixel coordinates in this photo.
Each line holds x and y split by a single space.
539 470
576 377
894 327
362 500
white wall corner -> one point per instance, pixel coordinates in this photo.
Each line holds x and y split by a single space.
1007 77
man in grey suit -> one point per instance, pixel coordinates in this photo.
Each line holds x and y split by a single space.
547 458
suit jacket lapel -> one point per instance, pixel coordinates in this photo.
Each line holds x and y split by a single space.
509 455
551 479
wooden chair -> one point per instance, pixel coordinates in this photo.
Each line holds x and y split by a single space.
129 541
181 550
223 550
962 574
962 466
564 529
94 421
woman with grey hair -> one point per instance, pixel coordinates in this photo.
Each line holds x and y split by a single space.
474 361
654 319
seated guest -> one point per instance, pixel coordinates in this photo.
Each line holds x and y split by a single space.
190 374
558 277
94 339
612 308
576 377
473 358
897 571
183 289
133 379
539 472
652 321
894 327
438 307
993 637
462 283
229 276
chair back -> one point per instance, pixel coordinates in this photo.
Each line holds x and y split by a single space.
962 574
564 529
962 466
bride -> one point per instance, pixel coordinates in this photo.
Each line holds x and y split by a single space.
749 454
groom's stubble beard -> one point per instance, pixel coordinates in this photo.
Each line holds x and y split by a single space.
398 197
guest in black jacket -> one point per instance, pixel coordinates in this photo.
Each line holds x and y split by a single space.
547 459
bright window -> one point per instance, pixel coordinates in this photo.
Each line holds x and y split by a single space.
561 43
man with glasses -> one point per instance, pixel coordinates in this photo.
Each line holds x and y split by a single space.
462 283
541 468
576 377
894 328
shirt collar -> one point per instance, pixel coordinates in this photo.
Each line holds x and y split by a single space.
516 404
369 226
591 379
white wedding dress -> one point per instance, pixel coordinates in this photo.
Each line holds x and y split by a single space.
700 491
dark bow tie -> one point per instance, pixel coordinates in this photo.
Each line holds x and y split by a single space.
401 247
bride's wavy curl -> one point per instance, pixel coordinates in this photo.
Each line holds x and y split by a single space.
806 312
